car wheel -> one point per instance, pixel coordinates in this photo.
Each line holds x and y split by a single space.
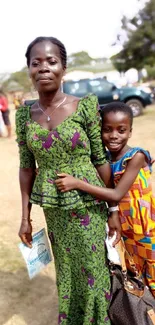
136 105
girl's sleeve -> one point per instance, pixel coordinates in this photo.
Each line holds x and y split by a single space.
93 129
26 157
133 151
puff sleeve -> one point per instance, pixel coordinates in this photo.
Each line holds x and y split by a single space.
93 129
26 157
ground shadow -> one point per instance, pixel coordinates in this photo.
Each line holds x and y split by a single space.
34 301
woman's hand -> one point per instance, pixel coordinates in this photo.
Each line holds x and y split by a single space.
25 232
66 182
114 226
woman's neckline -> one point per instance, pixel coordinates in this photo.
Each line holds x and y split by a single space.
65 119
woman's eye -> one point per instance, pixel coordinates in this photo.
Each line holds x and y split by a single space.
34 64
52 62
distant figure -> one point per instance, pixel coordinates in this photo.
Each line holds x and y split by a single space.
16 102
2 126
22 100
5 112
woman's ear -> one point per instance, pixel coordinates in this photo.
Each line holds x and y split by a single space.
29 74
64 73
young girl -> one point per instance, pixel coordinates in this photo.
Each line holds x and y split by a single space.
131 169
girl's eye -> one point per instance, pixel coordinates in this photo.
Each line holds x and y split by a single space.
106 130
122 131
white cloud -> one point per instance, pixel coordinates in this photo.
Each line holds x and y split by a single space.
81 25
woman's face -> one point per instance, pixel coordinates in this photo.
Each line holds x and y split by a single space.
46 70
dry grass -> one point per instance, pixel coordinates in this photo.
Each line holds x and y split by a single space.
25 302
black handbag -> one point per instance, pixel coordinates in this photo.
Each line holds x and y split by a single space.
132 302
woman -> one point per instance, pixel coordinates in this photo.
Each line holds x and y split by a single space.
62 134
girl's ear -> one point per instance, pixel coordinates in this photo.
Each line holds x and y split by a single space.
130 134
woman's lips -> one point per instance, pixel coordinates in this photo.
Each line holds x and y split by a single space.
44 80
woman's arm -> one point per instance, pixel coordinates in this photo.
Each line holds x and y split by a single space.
104 172
26 173
26 180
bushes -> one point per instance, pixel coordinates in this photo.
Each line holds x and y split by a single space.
150 72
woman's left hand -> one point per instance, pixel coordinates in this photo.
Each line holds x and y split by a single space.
66 182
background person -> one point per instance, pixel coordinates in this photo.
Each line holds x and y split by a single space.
5 112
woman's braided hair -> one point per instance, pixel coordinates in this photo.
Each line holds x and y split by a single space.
53 40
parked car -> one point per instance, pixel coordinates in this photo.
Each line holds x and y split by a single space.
148 87
107 92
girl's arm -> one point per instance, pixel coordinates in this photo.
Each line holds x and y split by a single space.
114 224
66 182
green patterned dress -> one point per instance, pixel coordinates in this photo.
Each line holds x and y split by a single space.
75 220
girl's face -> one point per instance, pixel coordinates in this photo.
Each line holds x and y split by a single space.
46 70
116 130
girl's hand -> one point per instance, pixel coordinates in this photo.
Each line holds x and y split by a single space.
66 182
25 232
114 226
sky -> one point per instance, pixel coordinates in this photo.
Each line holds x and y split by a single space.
82 25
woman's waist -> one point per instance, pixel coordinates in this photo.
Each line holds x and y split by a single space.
71 162
46 193
44 184
49 175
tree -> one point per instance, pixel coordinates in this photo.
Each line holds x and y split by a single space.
138 40
79 58
21 78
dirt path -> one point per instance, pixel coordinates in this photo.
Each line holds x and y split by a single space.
25 302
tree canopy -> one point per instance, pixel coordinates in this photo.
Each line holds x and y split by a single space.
21 78
138 40
79 58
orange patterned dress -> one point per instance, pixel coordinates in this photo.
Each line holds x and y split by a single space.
137 213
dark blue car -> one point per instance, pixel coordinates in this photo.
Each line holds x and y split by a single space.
107 92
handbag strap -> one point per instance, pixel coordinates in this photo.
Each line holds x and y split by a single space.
129 285
122 254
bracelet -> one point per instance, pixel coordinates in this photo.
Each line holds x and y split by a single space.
113 209
27 219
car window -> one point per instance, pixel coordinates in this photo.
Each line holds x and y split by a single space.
100 86
78 88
